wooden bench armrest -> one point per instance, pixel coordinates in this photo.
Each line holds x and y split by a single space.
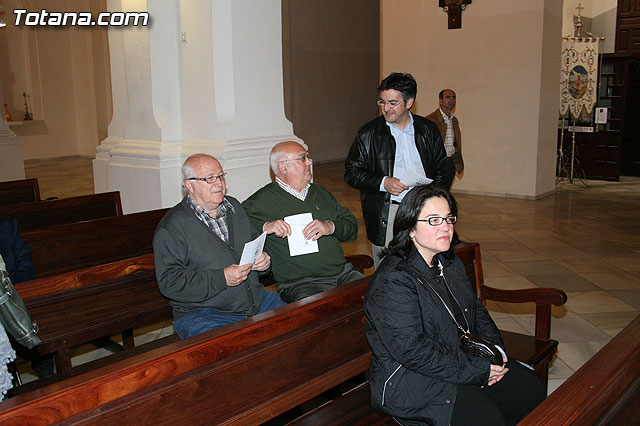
360 262
538 295
542 297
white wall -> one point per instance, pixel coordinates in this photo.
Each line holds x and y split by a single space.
504 66
65 71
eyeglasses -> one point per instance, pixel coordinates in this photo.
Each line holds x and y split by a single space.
303 158
393 103
211 179
437 220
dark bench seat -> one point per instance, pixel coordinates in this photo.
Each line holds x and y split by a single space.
41 214
76 308
19 191
74 246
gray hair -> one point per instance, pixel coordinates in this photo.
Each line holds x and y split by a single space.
278 154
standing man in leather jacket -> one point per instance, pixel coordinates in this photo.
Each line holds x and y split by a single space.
388 149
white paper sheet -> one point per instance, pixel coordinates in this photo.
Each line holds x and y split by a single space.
298 244
253 249
412 178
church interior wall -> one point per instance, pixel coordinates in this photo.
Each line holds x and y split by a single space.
331 71
501 63
496 64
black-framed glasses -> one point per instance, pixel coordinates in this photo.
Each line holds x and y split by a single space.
394 103
303 158
437 220
211 179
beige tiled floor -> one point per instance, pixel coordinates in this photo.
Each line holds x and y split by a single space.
584 240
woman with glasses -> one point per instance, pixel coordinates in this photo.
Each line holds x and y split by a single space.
416 307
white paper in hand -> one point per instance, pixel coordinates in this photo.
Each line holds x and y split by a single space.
253 249
413 178
298 244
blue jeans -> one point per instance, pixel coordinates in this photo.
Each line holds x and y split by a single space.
202 320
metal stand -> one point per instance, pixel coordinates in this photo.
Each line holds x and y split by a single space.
569 167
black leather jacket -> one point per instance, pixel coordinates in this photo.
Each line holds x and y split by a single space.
371 158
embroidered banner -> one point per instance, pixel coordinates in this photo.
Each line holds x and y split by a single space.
578 77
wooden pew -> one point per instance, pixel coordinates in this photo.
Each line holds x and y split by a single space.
80 306
19 191
74 246
41 214
604 391
254 369
537 350
245 373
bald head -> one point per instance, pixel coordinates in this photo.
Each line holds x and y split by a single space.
192 163
279 153
290 162
199 172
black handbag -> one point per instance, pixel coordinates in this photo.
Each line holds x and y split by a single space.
471 344
14 315
477 347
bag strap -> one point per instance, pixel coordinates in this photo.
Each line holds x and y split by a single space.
411 270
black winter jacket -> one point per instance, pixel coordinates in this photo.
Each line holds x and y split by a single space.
371 158
416 361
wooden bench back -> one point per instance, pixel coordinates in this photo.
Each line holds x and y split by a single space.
244 373
74 246
604 391
76 308
19 191
41 214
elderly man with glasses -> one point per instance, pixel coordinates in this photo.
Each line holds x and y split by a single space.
197 248
390 154
324 222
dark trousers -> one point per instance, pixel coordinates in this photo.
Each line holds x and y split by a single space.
292 291
505 403
451 173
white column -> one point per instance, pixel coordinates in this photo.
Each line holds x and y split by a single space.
218 91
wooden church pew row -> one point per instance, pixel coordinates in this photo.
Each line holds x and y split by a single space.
605 391
41 214
244 373
80 306
19 191
301 394
73 246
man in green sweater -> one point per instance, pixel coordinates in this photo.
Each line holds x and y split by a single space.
292 193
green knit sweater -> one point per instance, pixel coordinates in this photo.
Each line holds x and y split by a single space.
272 203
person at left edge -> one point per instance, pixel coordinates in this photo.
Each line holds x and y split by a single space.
197 248
15 259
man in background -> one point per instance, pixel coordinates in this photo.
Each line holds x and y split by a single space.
450 131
